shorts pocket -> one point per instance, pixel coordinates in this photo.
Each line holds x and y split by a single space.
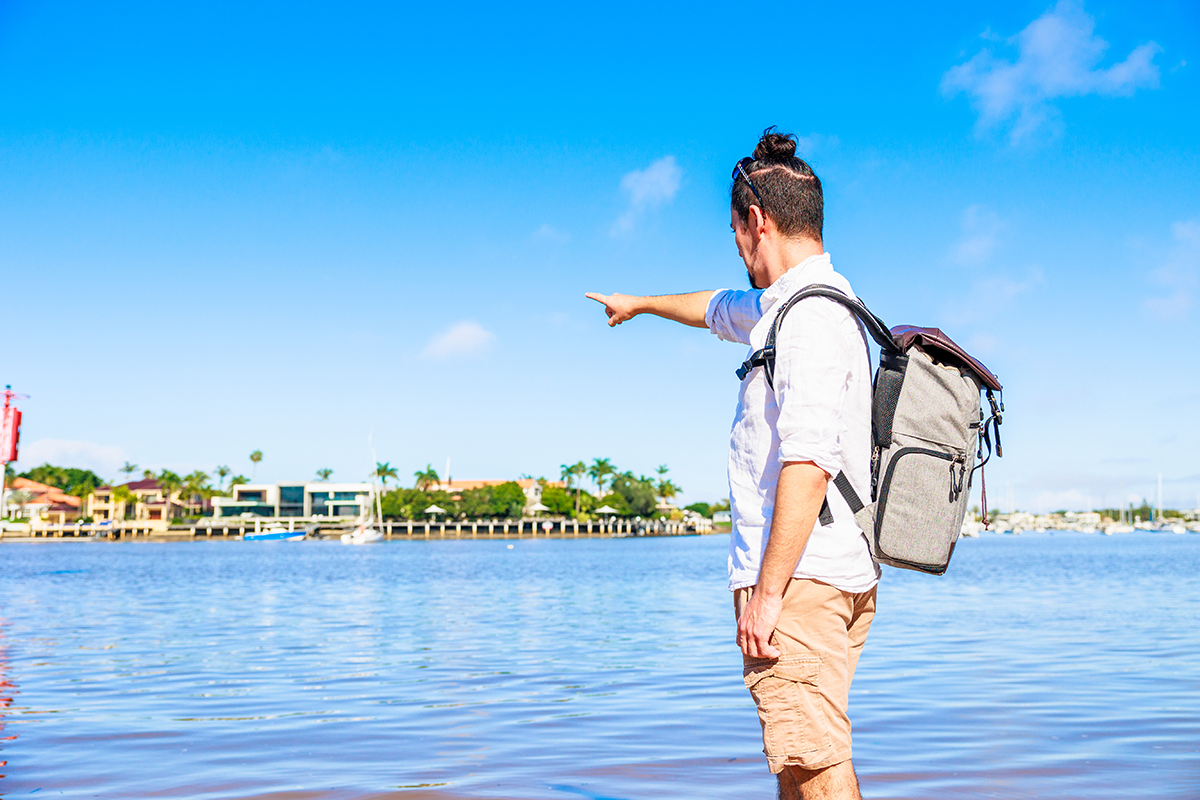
790 706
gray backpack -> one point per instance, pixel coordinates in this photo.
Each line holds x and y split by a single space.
927 429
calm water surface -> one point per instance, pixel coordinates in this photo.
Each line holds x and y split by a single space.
1041 666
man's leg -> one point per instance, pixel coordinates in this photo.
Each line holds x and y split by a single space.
832 783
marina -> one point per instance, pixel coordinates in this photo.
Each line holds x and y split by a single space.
235 528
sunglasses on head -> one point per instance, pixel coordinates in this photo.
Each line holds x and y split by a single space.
740 169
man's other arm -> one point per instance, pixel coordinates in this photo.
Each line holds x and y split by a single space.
688 309
798 498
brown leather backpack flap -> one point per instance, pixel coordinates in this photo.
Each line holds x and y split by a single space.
933 341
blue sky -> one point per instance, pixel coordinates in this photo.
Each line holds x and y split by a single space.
289 227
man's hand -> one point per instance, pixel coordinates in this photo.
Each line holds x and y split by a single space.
798 497
619 307
757 624
686 308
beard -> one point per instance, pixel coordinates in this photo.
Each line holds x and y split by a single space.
750 278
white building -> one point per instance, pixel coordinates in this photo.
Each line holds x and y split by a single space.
316 499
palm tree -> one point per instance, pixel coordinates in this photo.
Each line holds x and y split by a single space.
122 494
237 480
426 477
195 484
222 472
324 473
255 457
148 474
169 483
572 474
129 469
599 471
384 471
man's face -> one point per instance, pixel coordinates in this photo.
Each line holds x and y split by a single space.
745 246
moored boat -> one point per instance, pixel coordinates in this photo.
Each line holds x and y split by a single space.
277 533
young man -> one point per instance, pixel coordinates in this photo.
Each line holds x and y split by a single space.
804 592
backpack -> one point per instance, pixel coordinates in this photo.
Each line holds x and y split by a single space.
927 429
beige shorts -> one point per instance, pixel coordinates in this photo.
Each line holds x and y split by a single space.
803 695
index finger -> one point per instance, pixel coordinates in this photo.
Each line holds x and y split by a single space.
599 298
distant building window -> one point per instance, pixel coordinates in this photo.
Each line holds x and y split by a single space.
258 496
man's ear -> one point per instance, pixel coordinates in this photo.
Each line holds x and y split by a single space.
756 221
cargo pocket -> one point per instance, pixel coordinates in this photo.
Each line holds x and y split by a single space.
790 706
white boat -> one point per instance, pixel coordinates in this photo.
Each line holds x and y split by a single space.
363 533
368 527
277 533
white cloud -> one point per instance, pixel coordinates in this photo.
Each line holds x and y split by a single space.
1180 275
464 338
655 185
980 230
102 459
1058 55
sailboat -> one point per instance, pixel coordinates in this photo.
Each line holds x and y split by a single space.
368 527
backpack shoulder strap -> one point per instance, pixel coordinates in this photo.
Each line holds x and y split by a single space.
765 357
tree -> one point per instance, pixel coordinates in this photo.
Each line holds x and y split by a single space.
426 478
384 471
573 473
599 471
148 475
667 490
255 458
123 494
195 484
222 472
129 469
237 480
324 473
78 482
169 483
639 493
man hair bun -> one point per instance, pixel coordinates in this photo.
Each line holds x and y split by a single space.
774 146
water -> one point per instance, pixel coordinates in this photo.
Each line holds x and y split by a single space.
1041 666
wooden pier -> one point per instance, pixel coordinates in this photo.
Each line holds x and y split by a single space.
323 527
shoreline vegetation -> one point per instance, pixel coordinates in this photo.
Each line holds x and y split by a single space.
64 492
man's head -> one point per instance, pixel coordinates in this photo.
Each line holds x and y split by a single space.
788 191
776 209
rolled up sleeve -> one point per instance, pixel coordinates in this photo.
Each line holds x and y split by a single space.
811 380
731 315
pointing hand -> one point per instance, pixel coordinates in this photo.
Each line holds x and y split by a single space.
619 307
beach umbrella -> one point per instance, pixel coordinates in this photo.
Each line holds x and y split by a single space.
538 508
434 509
606 509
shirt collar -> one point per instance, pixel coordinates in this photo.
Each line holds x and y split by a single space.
807 272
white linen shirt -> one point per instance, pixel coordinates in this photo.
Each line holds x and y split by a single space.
819 411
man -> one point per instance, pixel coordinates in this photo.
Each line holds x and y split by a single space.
804 592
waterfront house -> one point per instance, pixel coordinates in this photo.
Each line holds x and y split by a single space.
41 503
149 503
315 499
531 487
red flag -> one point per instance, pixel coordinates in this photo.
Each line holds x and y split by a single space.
10 435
